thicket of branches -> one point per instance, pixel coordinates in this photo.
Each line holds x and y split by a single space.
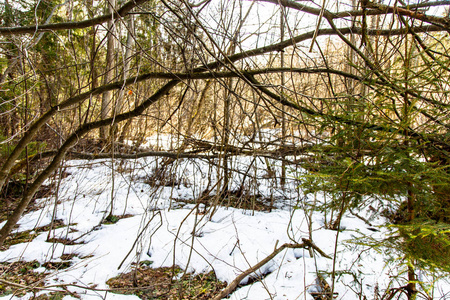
357 93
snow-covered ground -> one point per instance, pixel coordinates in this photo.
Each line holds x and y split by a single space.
167 228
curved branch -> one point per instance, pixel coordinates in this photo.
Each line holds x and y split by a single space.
33 129
382 8
309 111
376 9
410 132
120 13
71 140
427 4
127 7
229 150
380 73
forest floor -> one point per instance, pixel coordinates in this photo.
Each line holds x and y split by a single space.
163 239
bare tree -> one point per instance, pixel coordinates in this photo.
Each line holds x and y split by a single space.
189 54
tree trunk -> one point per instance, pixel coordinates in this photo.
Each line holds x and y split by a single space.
109 73
283 112
126 73
127 62
71 141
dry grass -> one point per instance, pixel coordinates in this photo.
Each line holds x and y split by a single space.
165 283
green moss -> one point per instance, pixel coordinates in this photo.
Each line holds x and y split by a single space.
52 296
19 273
18 238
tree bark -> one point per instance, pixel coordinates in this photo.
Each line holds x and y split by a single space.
107 104
71 141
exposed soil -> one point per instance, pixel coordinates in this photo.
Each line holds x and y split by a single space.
27 235
247 201
165 283
236 199
20 278
162 176
55 296
21 273
113 219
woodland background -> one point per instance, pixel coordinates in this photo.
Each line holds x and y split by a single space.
355 92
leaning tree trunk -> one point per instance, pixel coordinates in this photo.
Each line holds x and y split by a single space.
71 141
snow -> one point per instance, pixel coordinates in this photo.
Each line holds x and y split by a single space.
167 228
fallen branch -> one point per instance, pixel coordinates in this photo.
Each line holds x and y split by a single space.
232 286
219 151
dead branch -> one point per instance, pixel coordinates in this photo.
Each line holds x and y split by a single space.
33 129
71 141
120 13
232 286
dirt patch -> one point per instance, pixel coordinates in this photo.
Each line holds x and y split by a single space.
56 296
19 278
235 199
162 177
59 265
246 201
166 283
20 273
28 235
113 219
64 241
